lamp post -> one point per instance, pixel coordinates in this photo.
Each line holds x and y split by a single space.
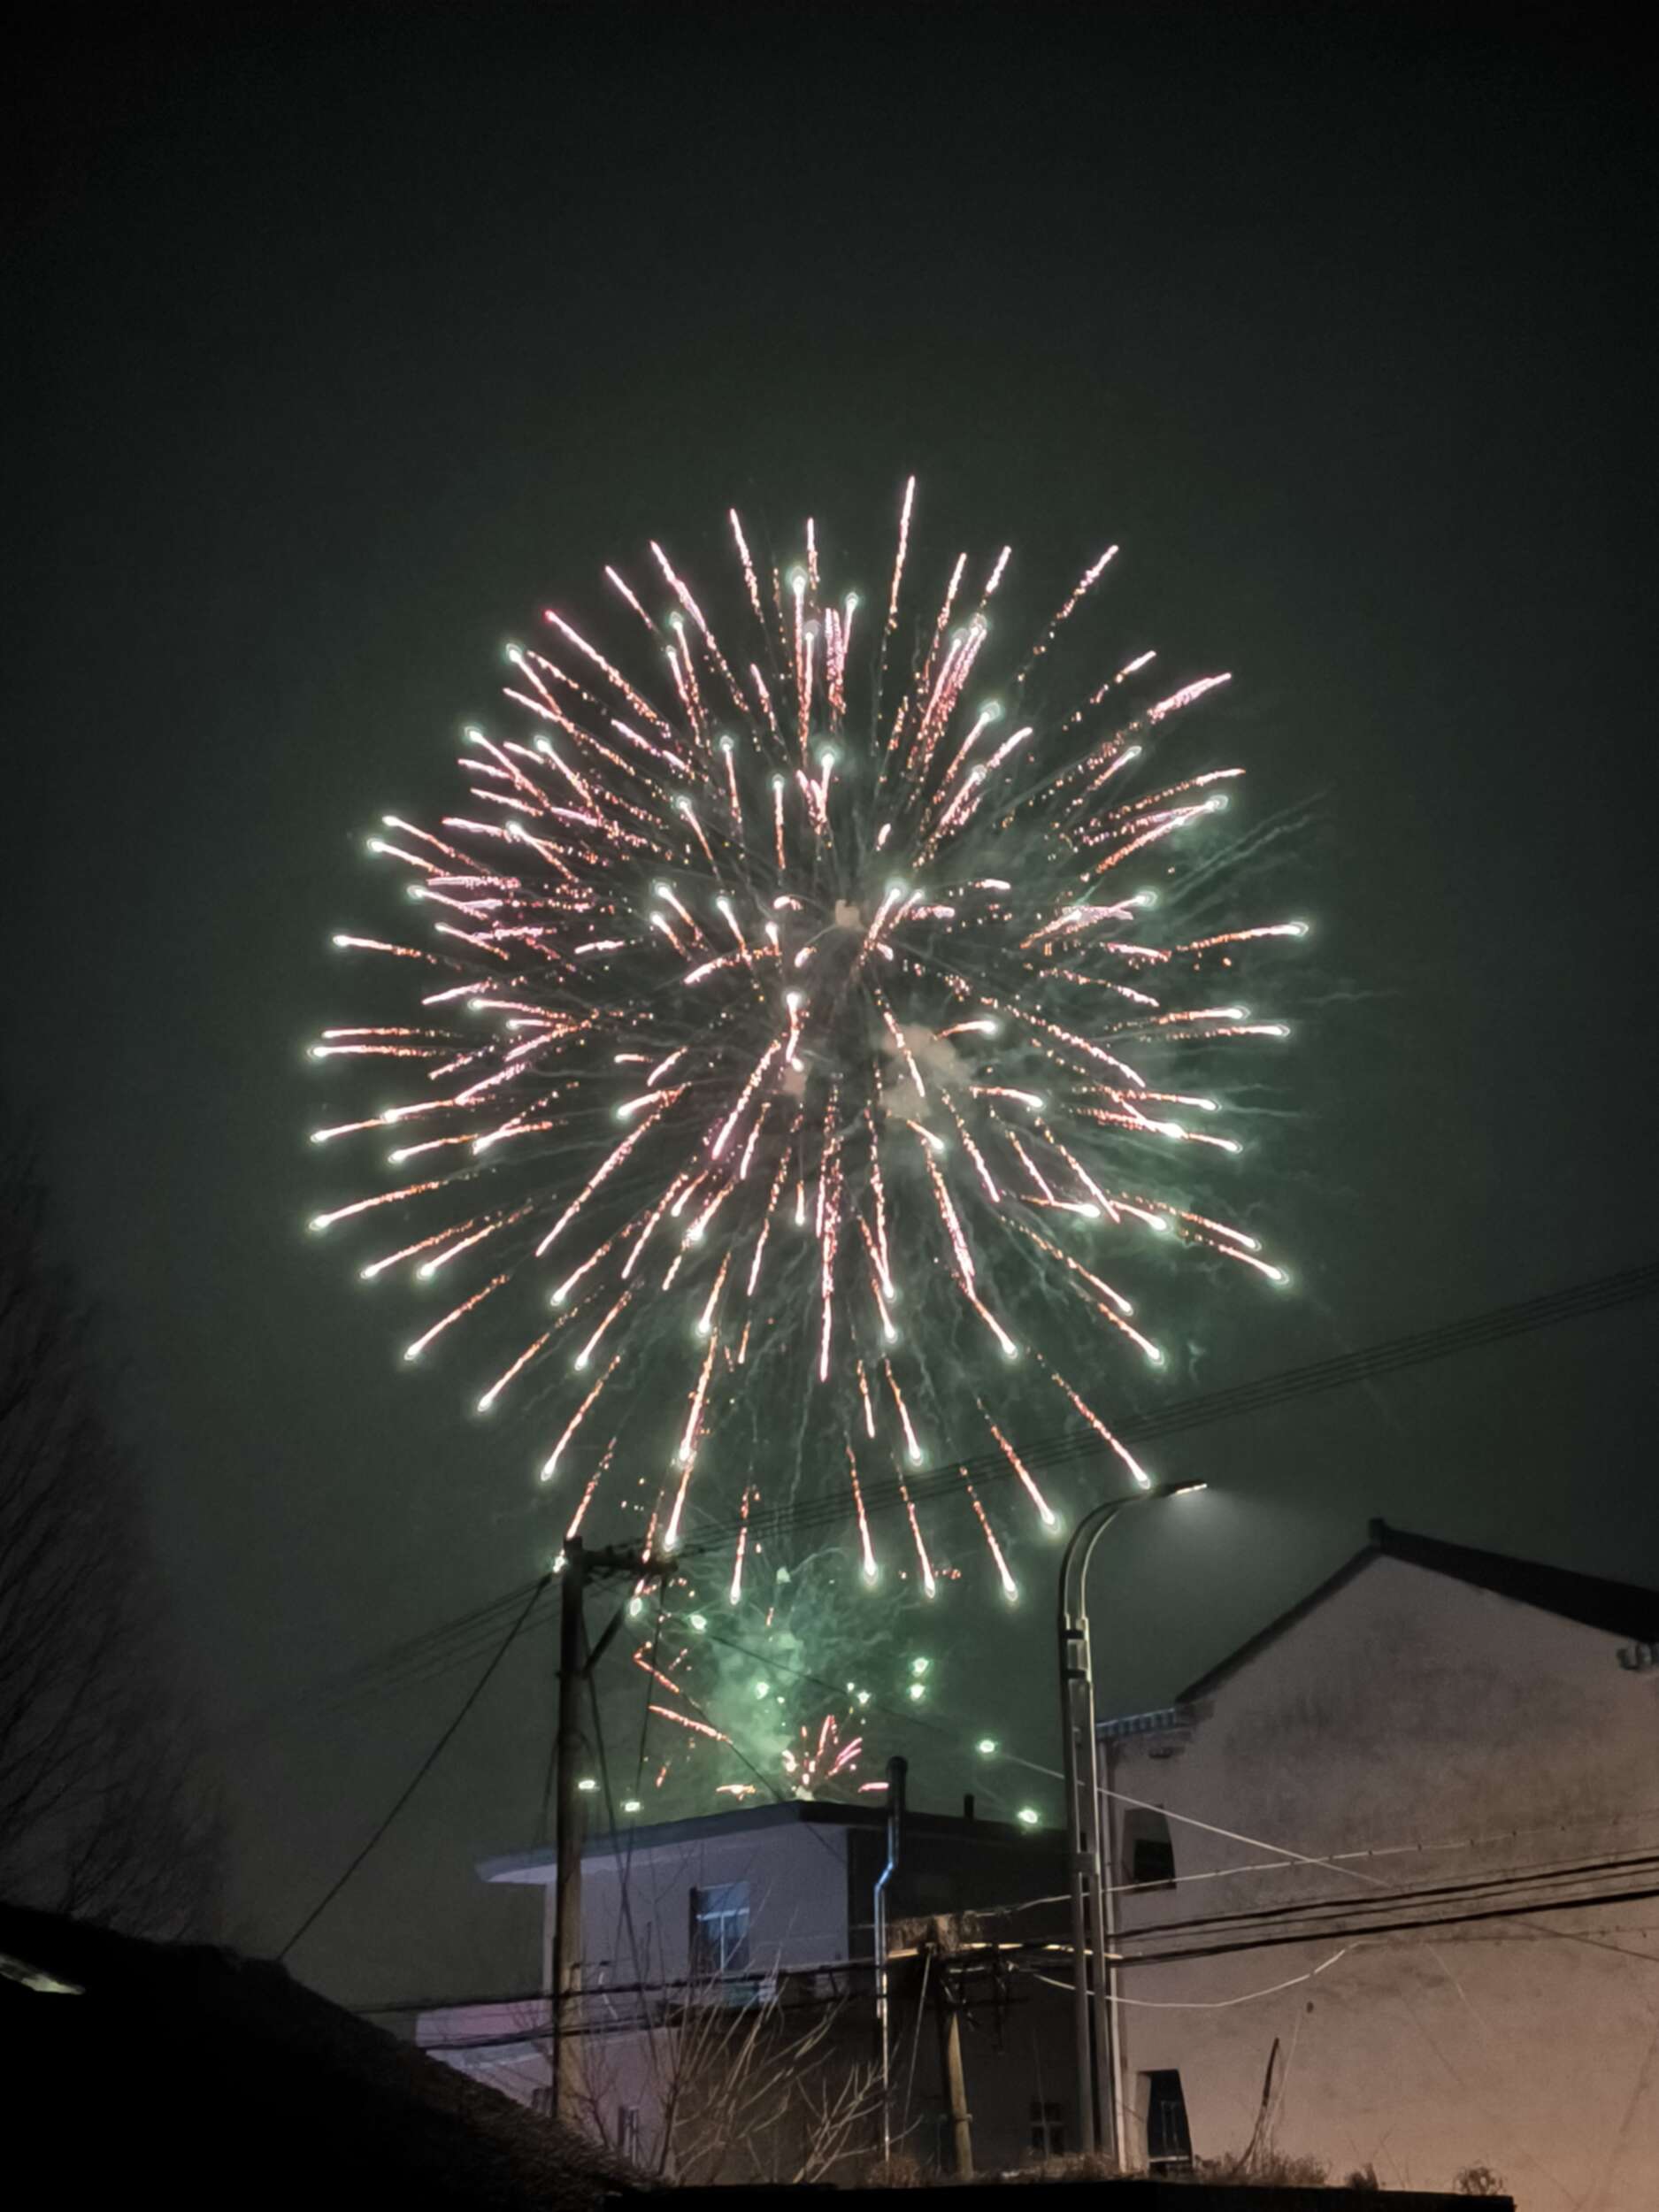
1095 2040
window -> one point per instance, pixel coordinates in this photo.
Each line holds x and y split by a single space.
719 1929
1047 2129
1168 2139
1148 1855
628 2132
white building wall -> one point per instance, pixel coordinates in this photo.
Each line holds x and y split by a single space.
797 1884
1443 1734
808 1908
797 1874
503 2046
797 1878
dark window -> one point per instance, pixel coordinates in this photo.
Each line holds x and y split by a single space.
1168 2139
1148 1853
1047 2129
719 1929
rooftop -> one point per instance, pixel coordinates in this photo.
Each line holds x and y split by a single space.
236 2083
1618 1609
640 1838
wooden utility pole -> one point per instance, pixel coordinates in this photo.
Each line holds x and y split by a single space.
569 2086
576 1666
948 2013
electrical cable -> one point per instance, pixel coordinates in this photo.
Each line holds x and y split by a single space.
1363 1932
1337 1859
1319 1908
627 1873
625 1870
1333 1864
1195 2004
1014 1952
540 1836
1373 1928
1064 1446
421 1772
447 1660
1582 1870
425 1656
1533 1874
413 1660
1288 1855
421 1658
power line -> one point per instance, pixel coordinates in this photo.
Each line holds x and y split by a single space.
1227 1947
1628 1862
1541 1873
478 1636
424 1657
1395 1927
1067 1447
1451 1892
625 1868
413 1660
420 1773
436 1650
1537 1873
1338 1862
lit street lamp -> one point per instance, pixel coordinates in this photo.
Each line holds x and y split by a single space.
1096 2069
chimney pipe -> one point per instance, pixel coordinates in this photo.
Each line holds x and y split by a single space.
967 1805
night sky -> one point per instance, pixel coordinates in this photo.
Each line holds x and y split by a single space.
344 350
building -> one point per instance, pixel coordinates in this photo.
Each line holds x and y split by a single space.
1386 1884
198 2077
695 1930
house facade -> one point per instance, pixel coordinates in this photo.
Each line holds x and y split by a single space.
694 1930
1384 1884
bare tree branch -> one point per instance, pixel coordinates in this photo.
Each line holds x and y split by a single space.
103 1810
735 2087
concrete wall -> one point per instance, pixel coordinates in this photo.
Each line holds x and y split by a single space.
797 1876
810 1906
1443 1734
798 1901
1017 2051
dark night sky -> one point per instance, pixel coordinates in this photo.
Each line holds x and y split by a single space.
344 350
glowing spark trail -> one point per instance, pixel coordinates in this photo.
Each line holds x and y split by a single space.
883 1024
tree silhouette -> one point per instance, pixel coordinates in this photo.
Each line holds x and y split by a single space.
104 1811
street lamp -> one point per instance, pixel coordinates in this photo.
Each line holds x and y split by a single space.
1095 2051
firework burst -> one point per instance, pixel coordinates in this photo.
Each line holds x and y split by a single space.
802 1056
742 1692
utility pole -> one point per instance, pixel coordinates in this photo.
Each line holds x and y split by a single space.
575 1671
568 2083
948 2004
898 1768
1082 1819
1095 2029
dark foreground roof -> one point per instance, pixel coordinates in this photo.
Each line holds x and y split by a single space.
1620 1608
138 2070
